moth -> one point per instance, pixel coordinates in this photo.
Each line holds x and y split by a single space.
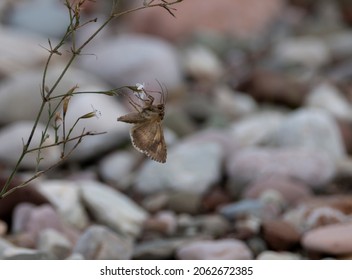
147 133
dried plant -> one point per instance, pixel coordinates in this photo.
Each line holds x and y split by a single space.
57 105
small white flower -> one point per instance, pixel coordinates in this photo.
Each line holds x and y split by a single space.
139 86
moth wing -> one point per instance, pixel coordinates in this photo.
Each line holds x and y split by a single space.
131 118
148 138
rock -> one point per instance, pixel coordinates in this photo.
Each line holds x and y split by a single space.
332 239
248 165
24 254
305 127
307 51
276 86
40 16
54 243
31 221
14 49
160 249
100 243
292 191
322 216
185 202
280 235
340 44
256 129
222 249
234 18
107 109
327 97
4 244
234 104
213 225
65 196
11 145
130 59
164 222
190 167
3 228
27 194
242 208
112 208
272 255
116 169
202 64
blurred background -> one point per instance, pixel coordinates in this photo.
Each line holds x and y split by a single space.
258 125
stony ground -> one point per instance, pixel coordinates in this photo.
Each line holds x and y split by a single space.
258 126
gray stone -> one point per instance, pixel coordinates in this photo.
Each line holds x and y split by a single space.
65 196
112 208
100 243
160 249
4 244
327 97
222 249
312 129
272 255
12 138
130 59
190 167
18 253
116 169
40 16
308 51
54 243
311 167
256 129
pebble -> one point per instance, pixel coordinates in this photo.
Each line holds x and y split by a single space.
4 244
241 208
202 64
40 16
159 249
24 254
331 239
234 18
292 191
234 104
307 51
312 168
313 129
30 221
65 196
190 167
112 208
100 243
11 145
131 58
280 235
25 86
3 228
14 48
164 222
116 169
106 110
272 255
222 249
54 243
256 129
327 97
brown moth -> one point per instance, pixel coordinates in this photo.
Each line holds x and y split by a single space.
147 133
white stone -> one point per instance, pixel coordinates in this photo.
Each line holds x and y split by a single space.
112 208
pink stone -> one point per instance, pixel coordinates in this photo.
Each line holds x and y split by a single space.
333 239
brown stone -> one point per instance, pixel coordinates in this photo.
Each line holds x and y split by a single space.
280 235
